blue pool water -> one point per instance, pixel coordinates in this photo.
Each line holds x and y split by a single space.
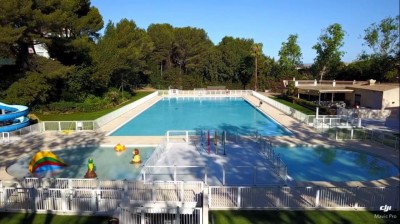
326 164
110 165
230 114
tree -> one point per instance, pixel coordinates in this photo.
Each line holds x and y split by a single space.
120 56
25 23
328 50
290 53
163 38
383 38
256 51
235 55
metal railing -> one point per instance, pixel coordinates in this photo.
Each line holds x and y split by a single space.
275 197
92 196
5 137
160 215
267 150
68 126
386 138
177 136
331 121
177 92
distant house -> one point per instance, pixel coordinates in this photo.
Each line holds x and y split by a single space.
40 49
355 93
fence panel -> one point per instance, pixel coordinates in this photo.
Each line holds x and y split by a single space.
50 199
334 197
258 197
139 191
224 197
19 198
374 197
297 197
108 200
82 200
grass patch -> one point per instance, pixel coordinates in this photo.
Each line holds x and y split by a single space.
32 218
303 217
294 106
85 116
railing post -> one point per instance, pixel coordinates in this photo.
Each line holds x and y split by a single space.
317 198
167 136
205 175
239 197
93 203
64 199
142 217
223 175
144 174
187 136
255 175
59 126
174 172
153 192
178 216
35 198
182 199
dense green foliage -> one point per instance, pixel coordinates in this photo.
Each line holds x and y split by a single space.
89 110
87 69
328 50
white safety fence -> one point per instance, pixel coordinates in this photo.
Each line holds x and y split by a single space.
386 138
331 121
67 126
204 92
160 215
276 197
92 195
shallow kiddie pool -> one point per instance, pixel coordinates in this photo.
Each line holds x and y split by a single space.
110 165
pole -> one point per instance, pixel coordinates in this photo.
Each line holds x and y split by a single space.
209 147
224 142
216 142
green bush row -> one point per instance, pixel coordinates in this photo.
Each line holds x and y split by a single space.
310 105
90 104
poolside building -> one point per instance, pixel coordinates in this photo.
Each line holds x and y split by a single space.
366 94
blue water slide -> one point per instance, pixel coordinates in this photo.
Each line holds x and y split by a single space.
14 117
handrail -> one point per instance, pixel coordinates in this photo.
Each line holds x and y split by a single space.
5 137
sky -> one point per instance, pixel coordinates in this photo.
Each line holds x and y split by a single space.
269 22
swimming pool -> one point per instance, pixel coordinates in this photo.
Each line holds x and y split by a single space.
110 165
330 164
232 114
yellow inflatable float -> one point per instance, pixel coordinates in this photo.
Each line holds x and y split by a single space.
136 156
119 148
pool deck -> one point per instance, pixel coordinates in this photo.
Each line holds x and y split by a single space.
302 135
